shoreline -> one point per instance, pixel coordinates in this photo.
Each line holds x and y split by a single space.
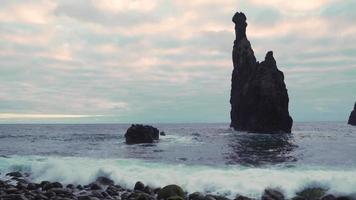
18 186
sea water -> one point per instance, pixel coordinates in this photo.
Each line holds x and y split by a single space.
209 158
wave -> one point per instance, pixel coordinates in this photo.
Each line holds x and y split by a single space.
228 180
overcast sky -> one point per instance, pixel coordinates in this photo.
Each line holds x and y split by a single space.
168 61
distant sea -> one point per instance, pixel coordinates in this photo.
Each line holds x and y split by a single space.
209 158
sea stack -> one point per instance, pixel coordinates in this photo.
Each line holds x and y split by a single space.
138 133
352 118
259 98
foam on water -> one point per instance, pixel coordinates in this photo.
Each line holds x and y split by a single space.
228 180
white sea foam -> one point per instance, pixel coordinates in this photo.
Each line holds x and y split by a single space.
177 139
227 181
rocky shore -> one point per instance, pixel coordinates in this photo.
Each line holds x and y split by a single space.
17 186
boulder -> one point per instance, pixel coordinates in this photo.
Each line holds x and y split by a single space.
241 197
272 194
139 186
176 198
352 118
196 196
139 133
170 191
70 186
14 174
148 190
314 193
95 186
49 186
104 180
259 98
328 197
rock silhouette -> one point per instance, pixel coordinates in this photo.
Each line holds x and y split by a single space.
352 118
259 98
138 133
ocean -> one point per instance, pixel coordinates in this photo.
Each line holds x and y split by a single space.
209 158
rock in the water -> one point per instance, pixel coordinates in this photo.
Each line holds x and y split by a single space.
49 186
14 174
139 133
314 193
241 197
95 186
104 180
175 198
328 197
259 98
170 191
139 186
196 196
352 118
272 194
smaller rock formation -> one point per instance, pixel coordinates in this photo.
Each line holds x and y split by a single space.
139 133
352 118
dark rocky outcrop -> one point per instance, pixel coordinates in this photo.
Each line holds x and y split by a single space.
352 118
170 191
14 174
272 194
139 133
259 98
139 186
313 193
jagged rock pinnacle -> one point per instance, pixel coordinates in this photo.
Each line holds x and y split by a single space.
240 26
259 98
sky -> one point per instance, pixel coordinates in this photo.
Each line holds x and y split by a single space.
168 61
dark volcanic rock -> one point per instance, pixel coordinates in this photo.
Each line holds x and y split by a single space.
352 118
105 180
272 194
139 133
170 191
49 186
328 197
139 186
14 174
259 98
314 193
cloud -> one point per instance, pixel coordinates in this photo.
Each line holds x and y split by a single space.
126 5
27 12
294 6
8 116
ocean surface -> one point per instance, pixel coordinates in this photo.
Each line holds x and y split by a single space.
209 158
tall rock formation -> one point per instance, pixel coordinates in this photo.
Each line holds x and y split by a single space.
352 118
259 98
